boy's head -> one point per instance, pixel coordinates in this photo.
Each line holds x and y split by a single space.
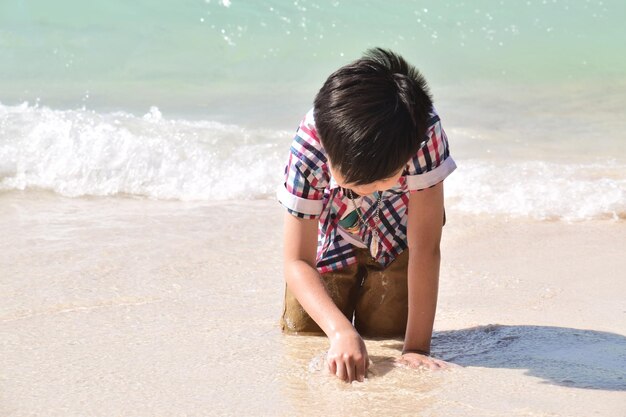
371 116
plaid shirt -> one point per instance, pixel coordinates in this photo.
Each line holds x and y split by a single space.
309 192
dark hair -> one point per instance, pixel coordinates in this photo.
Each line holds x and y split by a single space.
372 115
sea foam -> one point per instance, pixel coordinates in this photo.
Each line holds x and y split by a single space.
82 152
539 189
86 153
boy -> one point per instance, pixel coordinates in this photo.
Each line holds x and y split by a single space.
364 196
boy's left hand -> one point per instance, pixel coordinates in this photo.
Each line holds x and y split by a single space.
416 360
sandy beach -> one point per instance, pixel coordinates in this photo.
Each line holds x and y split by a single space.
128 306
141 145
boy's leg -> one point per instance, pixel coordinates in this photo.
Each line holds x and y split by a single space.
341 285
382 306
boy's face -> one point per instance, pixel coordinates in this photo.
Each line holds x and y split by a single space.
366 189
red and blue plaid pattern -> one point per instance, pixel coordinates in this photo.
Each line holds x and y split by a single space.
309 192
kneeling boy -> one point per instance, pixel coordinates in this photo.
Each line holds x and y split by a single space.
364 196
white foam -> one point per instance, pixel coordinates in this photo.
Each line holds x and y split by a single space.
82 152
539 189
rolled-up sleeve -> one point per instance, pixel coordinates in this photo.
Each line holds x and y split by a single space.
306 174
432 163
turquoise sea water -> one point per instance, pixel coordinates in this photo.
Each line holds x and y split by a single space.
165 98
189 55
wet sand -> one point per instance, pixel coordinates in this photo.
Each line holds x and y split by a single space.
124 306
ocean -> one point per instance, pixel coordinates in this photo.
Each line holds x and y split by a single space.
141 145
198 100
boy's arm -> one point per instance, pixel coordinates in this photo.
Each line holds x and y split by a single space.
347 356
425 222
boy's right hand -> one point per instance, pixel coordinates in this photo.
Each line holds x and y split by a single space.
347 357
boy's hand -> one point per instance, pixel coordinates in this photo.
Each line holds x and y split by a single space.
347 357
416 360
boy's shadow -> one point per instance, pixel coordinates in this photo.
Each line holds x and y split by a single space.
561 356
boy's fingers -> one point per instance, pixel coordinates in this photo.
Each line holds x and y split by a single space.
350 367
441 363
332 367
341 371
361 369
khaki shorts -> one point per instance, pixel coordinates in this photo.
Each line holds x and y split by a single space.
373 298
